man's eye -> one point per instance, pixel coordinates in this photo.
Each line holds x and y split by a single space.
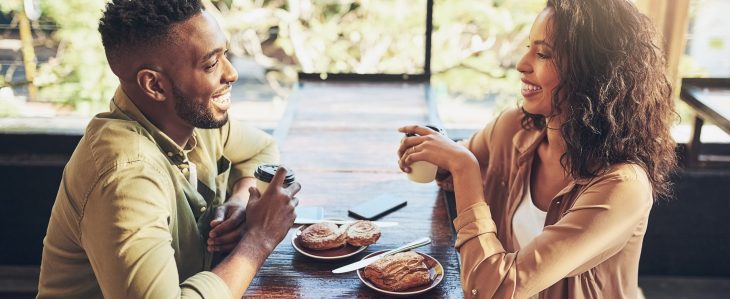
210 67
542 55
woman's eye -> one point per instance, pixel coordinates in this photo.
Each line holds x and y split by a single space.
542 55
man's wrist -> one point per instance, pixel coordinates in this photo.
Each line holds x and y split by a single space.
257 238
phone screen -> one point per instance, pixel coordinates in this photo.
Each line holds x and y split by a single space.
377 207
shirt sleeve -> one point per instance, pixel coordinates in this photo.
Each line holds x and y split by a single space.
125 233
247 147
599 224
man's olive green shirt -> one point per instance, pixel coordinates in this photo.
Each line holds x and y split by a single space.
127 223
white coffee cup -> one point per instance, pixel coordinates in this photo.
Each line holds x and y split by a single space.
265 173
423 171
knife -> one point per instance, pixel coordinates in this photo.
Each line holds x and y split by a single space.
363 263
313 221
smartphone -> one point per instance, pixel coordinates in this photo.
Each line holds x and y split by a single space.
377 207
309 212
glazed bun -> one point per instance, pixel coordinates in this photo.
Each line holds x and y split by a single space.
321 236
362 233
398 272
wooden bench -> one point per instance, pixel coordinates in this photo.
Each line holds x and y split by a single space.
710 101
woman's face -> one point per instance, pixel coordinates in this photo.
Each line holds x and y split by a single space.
539 74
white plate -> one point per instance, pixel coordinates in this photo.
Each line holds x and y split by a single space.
328 254
434 268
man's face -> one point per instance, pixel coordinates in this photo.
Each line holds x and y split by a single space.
200 73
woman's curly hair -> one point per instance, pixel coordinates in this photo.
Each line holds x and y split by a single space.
614 86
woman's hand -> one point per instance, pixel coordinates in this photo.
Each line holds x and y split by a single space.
433 147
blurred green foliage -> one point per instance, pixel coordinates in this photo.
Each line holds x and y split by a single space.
11 5
77 75
475 44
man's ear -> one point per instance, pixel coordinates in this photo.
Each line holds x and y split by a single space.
153 83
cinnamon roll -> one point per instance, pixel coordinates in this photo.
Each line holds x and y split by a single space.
321 236
362 233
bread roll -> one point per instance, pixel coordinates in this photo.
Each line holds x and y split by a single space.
398 272
321 236
362 233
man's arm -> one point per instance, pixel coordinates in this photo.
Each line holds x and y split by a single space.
247 147
226 226
269 217
125 232
240 192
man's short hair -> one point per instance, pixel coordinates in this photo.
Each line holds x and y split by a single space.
134 24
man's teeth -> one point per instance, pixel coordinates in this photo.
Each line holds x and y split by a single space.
222 99
530 87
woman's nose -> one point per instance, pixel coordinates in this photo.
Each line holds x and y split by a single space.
523 65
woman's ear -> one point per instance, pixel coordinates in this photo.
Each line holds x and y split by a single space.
153 84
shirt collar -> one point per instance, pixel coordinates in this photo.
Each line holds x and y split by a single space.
526 143
122 103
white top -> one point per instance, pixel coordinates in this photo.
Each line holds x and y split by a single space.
528 220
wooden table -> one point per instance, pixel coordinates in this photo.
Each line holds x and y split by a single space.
710 100
341 142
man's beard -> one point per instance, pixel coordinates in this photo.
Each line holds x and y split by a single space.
196 114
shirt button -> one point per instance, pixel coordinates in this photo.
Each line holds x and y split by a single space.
202 209
169 154
557 202
474 292
502 183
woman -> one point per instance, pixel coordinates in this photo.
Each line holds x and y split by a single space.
553 199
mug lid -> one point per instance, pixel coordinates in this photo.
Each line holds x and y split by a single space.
266 172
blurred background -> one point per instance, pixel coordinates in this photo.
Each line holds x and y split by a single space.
54 78
475 46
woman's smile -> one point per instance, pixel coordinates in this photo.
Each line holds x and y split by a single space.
529 89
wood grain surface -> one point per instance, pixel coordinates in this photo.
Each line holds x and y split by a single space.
342 144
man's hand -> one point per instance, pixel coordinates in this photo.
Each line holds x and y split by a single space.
226 228
268 218
270 215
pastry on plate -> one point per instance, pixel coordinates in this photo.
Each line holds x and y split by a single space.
398 272
321 236
362 233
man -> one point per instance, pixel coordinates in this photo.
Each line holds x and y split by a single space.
141 207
